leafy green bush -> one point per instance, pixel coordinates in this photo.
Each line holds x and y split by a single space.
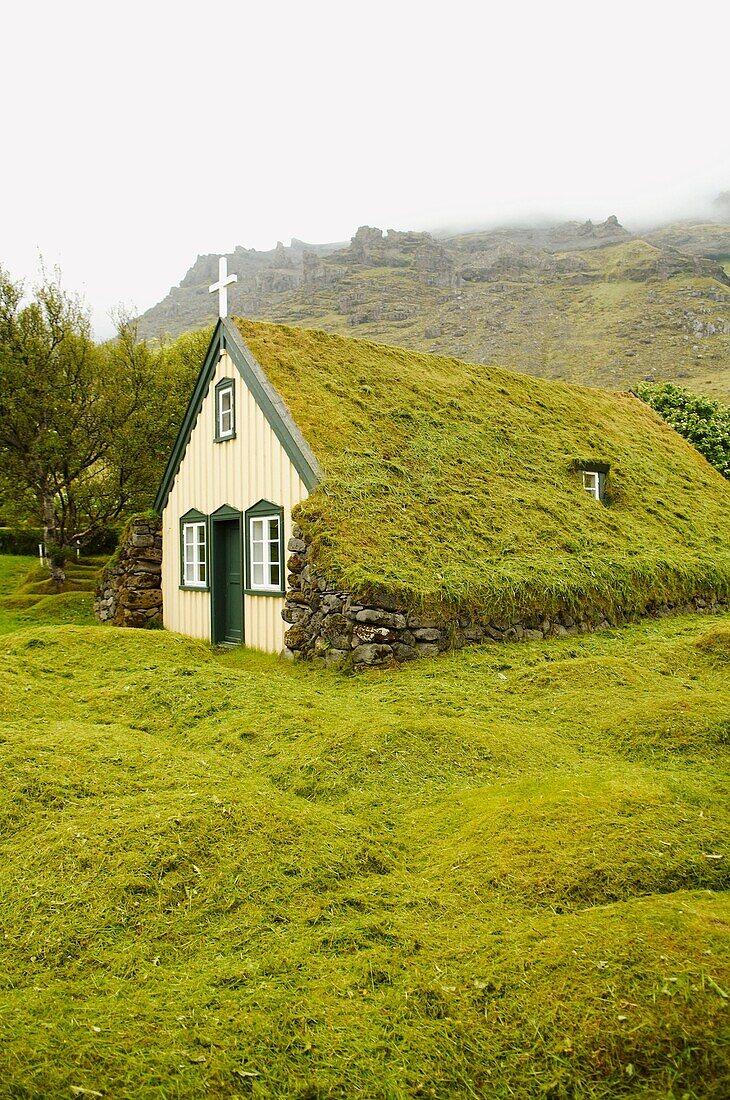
24 540
703 422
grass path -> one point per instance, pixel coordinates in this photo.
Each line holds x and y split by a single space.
498 874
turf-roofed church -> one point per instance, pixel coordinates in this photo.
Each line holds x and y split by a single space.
363 505
239 466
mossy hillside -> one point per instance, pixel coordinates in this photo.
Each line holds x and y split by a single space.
456 486
608 316
500 873
698 238
611 321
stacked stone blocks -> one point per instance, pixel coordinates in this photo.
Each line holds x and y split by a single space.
129 593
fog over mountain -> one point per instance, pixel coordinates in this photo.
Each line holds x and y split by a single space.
138 137
583 301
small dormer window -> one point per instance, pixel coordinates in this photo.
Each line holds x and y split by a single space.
225 410
591 483
594 479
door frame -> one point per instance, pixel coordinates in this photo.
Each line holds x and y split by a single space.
224 514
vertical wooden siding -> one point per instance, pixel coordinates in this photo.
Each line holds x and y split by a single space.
254 466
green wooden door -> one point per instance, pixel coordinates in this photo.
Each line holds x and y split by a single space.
227 582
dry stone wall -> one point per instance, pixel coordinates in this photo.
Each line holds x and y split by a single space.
129 593
334 628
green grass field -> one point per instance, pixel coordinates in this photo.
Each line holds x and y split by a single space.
497 874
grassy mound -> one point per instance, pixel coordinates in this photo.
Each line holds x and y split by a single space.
458 486
498 874
27 595
716 642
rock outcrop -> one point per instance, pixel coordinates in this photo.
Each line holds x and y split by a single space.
585 302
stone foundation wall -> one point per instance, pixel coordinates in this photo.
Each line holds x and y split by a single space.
129 593
335 629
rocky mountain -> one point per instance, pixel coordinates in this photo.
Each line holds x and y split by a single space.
696 238
585 302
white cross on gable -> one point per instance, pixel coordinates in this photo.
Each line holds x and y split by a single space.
222 286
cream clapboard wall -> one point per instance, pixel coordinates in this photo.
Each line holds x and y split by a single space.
254 466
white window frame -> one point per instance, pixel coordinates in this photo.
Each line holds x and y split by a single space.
196 562
266 542
221 392
592 483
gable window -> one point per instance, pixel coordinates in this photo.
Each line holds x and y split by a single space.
265 549
194 550
225 410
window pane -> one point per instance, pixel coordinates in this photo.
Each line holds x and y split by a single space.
257 540
201 554
265 552
188 553
590 482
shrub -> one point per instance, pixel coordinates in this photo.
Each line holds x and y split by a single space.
703 422
25 540
20 541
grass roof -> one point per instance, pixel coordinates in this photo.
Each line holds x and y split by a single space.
453 485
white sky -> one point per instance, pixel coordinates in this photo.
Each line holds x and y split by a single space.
138 134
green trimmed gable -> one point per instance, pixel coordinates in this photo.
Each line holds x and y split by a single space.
449 484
